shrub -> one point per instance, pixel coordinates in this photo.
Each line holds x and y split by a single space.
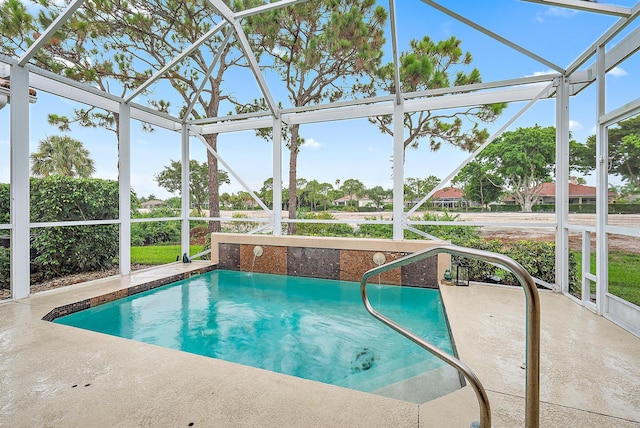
506 208
537 257
156 232
197 223
239 226
381 231
63 250
479 270
446 232
67 250
5 197
5 267
323 229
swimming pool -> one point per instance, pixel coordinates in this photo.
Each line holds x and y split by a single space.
310 328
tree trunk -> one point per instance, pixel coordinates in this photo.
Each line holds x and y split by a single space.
214 187
293 165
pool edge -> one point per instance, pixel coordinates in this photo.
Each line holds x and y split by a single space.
94 301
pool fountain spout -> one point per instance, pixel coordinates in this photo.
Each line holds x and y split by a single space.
257 252
379 259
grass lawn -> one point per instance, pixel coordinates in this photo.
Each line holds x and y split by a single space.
159 254
624 274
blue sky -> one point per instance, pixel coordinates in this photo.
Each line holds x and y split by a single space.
355 148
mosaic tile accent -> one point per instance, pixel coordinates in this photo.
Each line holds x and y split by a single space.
229 256
313 262
61 311
354 263
67 309
273 259
423 273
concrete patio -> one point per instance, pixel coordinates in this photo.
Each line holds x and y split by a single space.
54 375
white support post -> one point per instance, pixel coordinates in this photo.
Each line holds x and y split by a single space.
586 267
277 176
562 185
602 188
20 213
186 191
124 181
398 172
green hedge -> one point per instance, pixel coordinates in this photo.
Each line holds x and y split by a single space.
156 232
506 208
537 257
573 208
5 266
65 250
624 209
323 229
5 198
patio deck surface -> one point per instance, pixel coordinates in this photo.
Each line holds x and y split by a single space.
55 375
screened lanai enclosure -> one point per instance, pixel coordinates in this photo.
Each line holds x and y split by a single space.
212 77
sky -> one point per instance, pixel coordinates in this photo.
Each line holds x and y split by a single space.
355 148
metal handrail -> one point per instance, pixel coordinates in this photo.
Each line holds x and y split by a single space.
532 393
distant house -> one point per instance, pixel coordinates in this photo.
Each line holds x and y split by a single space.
153 203
351 200
578 194
450 197
361 202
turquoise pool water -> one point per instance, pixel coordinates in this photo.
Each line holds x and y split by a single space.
310 328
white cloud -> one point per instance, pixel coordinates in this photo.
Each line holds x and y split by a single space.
575 126
555 12
312 144
541 73
560 11
618 72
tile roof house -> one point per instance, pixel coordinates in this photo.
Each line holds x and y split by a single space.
153 203
449 197
578 194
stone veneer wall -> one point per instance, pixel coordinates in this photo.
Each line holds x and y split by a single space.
329 258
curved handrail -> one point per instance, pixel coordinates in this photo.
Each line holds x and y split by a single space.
532 394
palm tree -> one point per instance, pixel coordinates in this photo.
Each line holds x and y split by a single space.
61 155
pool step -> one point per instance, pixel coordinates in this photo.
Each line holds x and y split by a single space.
424 387
382 375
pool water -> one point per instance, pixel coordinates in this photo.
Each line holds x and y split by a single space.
310 328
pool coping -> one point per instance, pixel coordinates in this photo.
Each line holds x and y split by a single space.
101 299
